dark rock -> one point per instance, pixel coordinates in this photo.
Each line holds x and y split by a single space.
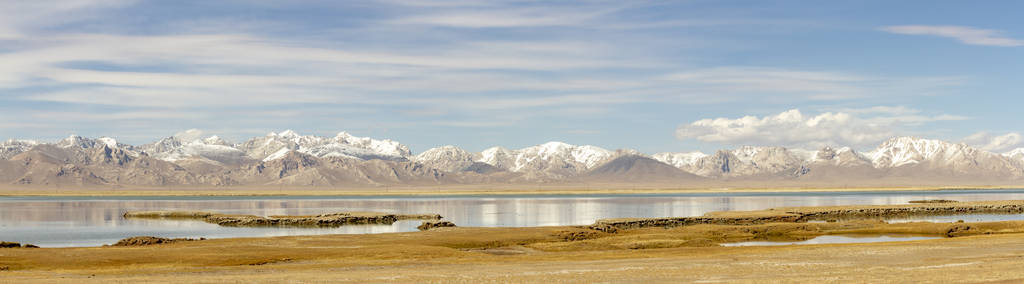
147 240
427 225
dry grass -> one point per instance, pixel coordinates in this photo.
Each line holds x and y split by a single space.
986 251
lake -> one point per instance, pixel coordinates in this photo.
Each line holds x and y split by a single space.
94 221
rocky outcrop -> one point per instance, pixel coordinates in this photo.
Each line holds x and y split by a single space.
427 225
147 240
804 214
16 245
322 220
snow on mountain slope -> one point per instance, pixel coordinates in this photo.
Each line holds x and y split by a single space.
447 158
901 151
12 147
552 158
747 160
344 145
190 145
944 157
679 160
1016 154
75 141
840 157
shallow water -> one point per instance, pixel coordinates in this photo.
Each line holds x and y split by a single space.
834 239
93 221
964 217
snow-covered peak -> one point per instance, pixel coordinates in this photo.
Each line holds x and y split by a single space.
901 151
110 142
679 160
448 152
385 147
287 134
1017 154
215 140
746 153
447 158
189 144
844 156
543 156
12 147
343 145
20 142
76 141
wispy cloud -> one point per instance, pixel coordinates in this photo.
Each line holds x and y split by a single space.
996 143
967 35
753 83
393 63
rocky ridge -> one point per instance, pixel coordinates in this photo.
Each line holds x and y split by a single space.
289 159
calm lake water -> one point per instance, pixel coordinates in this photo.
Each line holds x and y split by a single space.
94 221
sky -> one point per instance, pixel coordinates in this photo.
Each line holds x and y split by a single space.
656 76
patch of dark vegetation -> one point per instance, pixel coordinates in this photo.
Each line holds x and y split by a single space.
799 215
427 225
16 245
147 240
959 230
613 225
580 234
269 261
933 201
322 220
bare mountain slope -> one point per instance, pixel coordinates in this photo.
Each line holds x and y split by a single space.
636 168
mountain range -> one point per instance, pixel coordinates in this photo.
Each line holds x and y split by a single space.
287 158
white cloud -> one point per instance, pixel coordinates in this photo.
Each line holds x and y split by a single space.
752 83
995 143
968 35
18 16
793 128
507 15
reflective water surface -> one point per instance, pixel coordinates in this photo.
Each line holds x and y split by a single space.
834 239
93 221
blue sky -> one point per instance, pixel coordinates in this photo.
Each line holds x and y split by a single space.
649 75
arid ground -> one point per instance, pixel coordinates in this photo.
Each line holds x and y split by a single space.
965 252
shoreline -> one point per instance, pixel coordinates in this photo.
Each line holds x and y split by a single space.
450 191
689 252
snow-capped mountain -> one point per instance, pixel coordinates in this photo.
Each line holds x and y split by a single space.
679 160
447 158
344 145
744 161
1016 154
86 143
941 156
190 145
288 158
13 147
840 157
552 159
905 151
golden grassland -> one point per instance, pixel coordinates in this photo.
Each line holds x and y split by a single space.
552 189
967 252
